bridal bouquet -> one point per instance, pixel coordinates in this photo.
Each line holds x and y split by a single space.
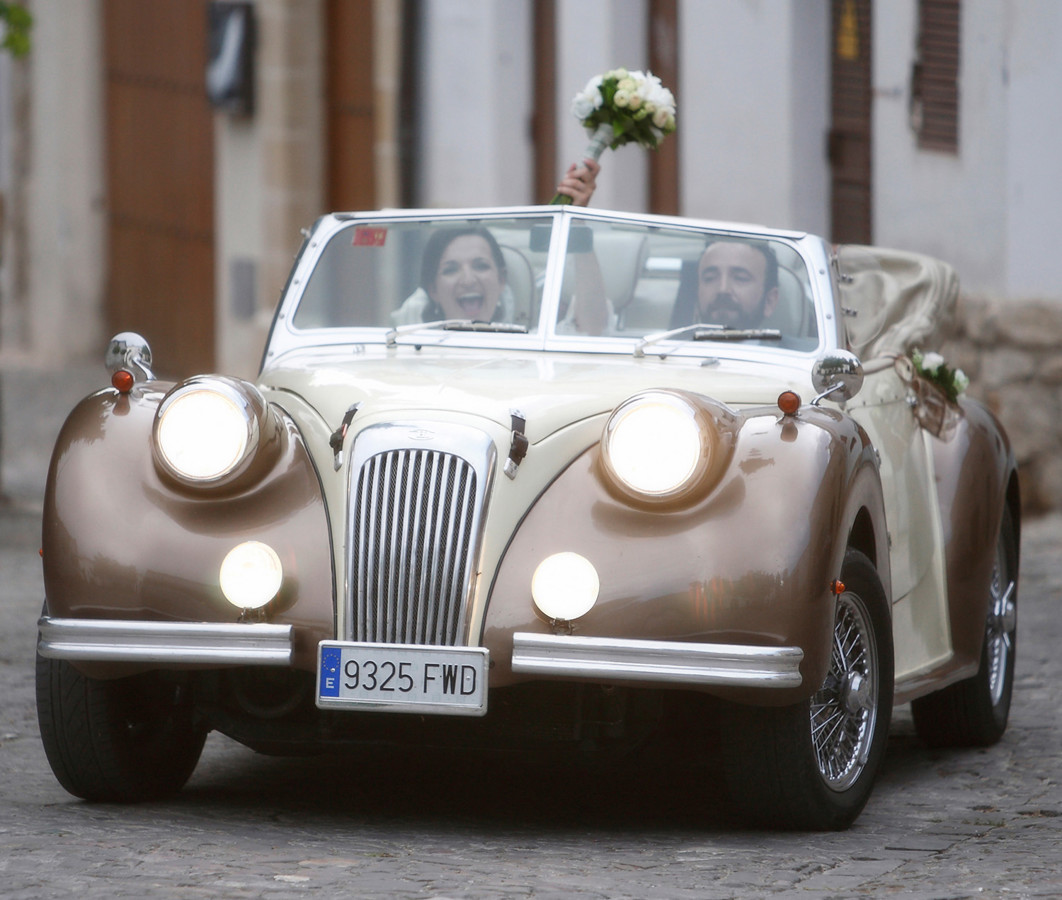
621 107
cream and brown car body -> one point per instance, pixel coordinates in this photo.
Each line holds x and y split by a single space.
412 479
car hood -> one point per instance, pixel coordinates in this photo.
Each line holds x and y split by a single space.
551 390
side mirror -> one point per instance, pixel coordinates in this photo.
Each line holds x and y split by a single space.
128 351
838 374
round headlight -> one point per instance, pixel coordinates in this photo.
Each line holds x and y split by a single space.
206 428
565 586
655 445
251 575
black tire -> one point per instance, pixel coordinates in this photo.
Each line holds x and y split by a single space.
124 740
974 712
811 766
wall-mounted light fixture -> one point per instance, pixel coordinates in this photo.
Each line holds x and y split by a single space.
230 63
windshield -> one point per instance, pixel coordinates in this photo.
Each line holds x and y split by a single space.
660 280
615 279
397 274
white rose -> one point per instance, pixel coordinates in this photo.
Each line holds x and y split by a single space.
660 96
931 362
621 99
585 102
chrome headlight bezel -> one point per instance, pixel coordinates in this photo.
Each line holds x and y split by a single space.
211 416
663 447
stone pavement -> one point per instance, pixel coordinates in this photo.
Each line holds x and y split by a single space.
941 824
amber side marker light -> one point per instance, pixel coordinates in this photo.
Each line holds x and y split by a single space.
122 380
789 402
837 587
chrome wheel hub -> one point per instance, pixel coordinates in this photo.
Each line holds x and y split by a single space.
1001 626
844 710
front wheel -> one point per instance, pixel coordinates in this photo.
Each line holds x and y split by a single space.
812 765
123 740
974 712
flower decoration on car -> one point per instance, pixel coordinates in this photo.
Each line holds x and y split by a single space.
621 107
932 367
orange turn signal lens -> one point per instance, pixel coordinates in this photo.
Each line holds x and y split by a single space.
789 402
123 381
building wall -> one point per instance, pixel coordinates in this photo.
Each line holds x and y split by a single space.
51 291
753 112
270 177
1033 132
594 36
993 210
475 120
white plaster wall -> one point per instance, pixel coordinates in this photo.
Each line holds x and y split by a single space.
947 205
594 36
1033 81
754 110
238 237
64 186
475 128
994 210
809 98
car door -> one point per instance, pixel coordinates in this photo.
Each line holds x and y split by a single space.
916 559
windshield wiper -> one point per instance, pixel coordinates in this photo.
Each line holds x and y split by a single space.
479 325
701 332
715 333
453 325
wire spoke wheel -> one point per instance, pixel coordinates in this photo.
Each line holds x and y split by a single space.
1002 624
811 765
844 710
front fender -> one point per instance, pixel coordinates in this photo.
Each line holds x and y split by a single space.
119 542
750 563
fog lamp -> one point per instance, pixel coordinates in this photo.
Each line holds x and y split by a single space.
565 586
251 575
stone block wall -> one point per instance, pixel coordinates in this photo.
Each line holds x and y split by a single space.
1012 351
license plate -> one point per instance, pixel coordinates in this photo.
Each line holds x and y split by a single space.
402 678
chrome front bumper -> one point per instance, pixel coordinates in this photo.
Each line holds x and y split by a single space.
118 640
674 662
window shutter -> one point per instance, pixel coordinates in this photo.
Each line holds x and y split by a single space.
935 80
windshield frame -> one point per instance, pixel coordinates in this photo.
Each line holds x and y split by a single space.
285 336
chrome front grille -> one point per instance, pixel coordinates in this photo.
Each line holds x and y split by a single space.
414 541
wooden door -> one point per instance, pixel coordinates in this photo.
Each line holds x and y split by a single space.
850 131
349 92
160 180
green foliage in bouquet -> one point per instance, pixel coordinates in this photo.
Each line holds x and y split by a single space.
933 368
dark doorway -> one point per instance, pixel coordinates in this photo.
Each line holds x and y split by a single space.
850 129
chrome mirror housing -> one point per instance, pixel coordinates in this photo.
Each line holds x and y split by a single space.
128 351
837 374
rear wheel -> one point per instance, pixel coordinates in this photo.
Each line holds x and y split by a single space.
812 765
974 712
122 740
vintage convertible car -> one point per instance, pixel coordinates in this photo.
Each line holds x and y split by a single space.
542 474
